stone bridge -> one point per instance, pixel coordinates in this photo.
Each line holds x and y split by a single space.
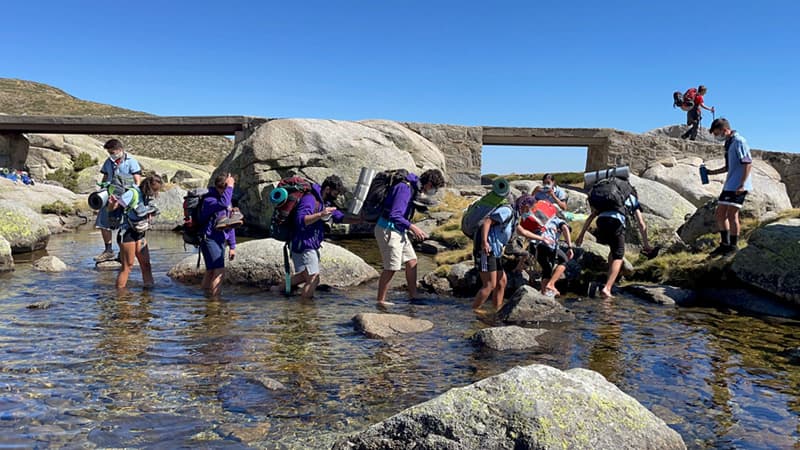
462 145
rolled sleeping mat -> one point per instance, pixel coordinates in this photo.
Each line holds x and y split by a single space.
361 190
98 199
590 178
278 196
501 187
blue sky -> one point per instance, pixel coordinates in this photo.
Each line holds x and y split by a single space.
560 64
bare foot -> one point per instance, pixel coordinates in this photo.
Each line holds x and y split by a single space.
605 293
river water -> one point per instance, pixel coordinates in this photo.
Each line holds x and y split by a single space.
167 368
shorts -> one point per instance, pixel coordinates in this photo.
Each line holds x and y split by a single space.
549 258
611 233
731 198
108 220
307 260
213 254
395 247
487 263
129 235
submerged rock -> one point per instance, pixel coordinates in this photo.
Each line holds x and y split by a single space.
529 407
663 294
508 338
529 305
49 264
387 325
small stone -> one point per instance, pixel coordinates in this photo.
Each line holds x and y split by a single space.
39 305
508 338
388 325
49 264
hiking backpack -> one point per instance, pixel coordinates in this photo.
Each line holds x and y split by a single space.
281 225
479 210
138 214
192 201
684 101
379 189
610 194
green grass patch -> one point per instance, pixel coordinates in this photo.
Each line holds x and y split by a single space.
689 270
451 257
58 207
66 177
83 161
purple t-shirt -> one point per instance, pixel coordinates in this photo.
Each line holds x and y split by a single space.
215 206
310 237
399 203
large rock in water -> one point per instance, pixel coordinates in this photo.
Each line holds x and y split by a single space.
24 228
768 195
529 305
260 263
533 407
6 259
315 149
770 260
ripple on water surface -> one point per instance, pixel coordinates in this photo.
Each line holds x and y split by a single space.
168 368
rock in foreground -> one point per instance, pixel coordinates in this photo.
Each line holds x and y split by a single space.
49 264
529 407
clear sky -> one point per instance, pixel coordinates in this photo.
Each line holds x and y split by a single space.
548 63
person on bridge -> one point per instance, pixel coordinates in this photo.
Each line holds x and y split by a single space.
122 169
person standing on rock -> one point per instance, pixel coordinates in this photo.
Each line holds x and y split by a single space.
131 241
214 208
695 115
393 227
610 231
313 210
551 192
119 168
738 182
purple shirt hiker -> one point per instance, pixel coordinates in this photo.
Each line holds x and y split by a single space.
399 205
310 237
215 207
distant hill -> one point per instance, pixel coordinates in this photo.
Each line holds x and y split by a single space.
27 97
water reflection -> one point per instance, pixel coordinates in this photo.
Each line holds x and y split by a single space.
93 368
605 351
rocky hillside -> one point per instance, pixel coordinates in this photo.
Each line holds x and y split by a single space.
28 97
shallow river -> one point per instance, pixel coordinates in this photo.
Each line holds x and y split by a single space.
168 368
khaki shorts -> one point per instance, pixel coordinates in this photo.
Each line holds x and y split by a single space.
395 247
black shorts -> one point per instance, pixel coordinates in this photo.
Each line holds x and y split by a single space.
549 258
129 235
487 263
731 198
611 233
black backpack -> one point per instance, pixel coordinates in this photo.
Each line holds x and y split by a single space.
192 228
379 189
610 194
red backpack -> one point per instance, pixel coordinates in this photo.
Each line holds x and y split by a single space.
689 95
